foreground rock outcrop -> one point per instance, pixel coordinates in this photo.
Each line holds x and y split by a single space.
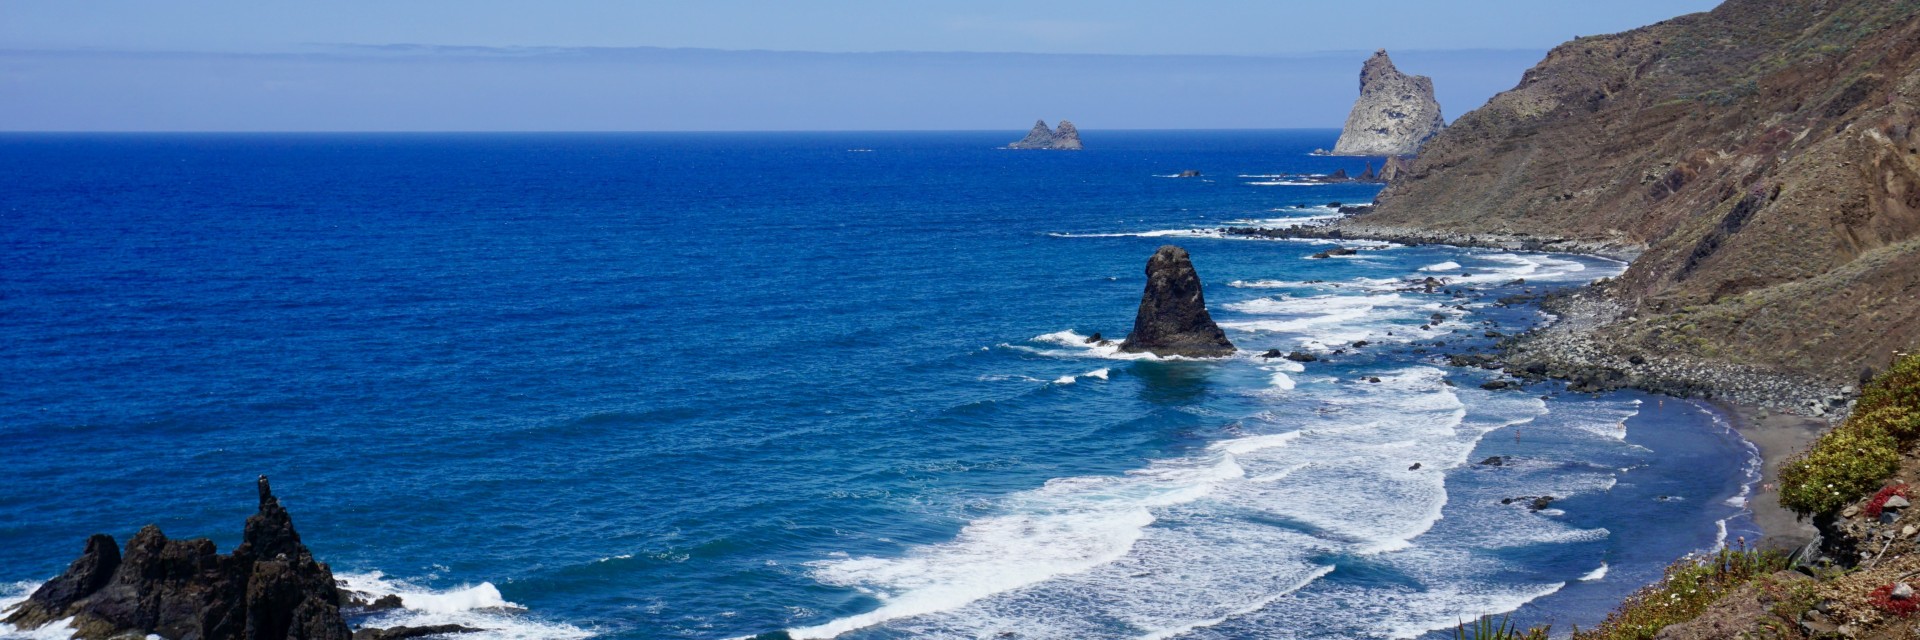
1394 115
1173 318
1765 154
269 588
1065 138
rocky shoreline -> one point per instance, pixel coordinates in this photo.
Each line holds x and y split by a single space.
1620 249
1571 346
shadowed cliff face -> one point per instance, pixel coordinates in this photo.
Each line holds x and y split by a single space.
269 588
1767 154
1173 318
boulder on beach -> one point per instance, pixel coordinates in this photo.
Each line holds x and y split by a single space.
1173 318
269 588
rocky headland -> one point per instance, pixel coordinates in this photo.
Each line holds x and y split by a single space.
1173 318
1394 115
1759 165
1064 138
1764 157
269 588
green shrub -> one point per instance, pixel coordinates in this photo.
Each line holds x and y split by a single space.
1898 387
1689 587
1858 456
1845 464
1900 422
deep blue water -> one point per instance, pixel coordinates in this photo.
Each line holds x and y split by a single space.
708 385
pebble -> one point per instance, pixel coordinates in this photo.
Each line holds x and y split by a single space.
1898 502
1902 591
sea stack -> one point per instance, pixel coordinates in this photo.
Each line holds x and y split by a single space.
1065 138
1173 318
269 588
1394 115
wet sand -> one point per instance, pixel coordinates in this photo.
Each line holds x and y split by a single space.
1779 437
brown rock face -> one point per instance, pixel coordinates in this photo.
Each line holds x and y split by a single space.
1766 154
269 588
1173 318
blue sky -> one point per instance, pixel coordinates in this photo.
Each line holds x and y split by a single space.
866 64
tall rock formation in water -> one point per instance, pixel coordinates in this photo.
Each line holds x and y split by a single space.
1766 153
1173 318
1394 115
269 588
1065 138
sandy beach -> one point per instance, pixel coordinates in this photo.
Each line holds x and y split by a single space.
1779 436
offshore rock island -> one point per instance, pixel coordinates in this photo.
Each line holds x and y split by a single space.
1394 114
1173 318
1065 138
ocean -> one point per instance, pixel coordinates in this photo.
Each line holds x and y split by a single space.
707 386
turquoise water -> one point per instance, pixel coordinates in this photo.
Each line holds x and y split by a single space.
712 385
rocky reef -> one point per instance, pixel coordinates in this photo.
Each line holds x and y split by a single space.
1173 318
269 588
1764 155
1394 115
1065 138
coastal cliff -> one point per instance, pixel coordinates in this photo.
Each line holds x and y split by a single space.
1764 158
1064 138
1394 114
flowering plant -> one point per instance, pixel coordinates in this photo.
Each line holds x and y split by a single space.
1879 501
1882 599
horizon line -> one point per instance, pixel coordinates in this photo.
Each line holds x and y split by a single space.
604 131
525 51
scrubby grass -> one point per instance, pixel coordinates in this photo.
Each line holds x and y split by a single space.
1857 457
1898 387
1688 587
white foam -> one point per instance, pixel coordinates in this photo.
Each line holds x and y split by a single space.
1264 284
1256 605
1076 346
1068 526
1285 183
1750 475
1323 322
1156 233
1444 266
480 606
17 592
1596 574
1288 222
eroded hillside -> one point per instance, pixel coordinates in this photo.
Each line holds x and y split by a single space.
1766 154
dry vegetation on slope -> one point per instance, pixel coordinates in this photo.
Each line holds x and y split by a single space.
1767 154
